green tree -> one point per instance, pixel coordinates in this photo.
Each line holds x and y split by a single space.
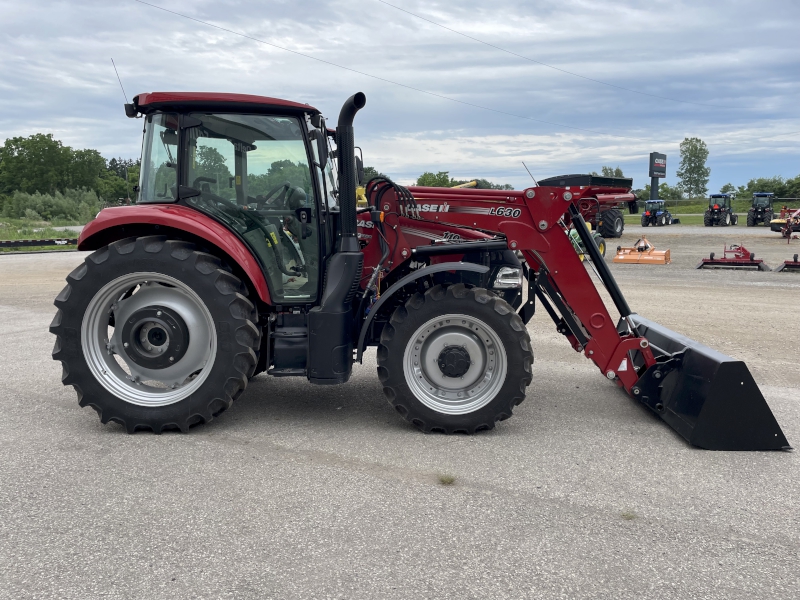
40 163
443 179
37 163
727 188
279 173
608 172
665 192
693 172
440 179
370 173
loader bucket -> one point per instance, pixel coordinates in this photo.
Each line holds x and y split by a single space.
707 397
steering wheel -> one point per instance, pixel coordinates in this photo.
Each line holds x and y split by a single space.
203 180
286 185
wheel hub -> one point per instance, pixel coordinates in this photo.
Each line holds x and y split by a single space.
147 359
454 361
455 364
155 337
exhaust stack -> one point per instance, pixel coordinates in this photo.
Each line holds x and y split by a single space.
348 181
330 325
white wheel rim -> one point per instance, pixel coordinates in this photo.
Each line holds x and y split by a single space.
131 382
478 386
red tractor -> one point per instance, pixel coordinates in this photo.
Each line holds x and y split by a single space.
246 252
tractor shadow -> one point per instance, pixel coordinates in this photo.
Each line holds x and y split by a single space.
294 402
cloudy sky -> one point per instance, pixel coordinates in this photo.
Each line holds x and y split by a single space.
725 71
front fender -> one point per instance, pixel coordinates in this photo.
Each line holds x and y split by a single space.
424 272
119 222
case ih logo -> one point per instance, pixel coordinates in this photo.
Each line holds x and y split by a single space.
658 164
434 207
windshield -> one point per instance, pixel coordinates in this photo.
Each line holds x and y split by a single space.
159 174
720 201
252 172
653 206
761 201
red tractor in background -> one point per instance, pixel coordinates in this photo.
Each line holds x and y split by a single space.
246 253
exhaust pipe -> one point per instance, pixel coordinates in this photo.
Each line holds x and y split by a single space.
348 181
330 325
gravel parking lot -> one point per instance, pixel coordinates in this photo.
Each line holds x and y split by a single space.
324 492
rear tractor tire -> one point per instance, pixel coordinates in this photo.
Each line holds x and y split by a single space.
708 220
155 335
751 220
455 360
725 220
645 221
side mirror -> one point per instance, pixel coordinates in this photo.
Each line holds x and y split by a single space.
360 170
322 146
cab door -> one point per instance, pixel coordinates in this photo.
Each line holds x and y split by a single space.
253 173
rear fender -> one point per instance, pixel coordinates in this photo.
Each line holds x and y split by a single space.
117 223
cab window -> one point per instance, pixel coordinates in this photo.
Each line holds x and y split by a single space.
252 172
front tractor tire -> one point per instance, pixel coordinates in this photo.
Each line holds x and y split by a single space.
155 335
455 360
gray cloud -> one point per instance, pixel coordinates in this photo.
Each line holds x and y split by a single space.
57 77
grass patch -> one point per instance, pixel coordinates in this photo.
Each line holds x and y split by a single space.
22 229
447 479
629 515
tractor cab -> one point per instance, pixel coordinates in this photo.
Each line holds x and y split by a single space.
761 211
719 202
259 174
763 200
656 213
720 211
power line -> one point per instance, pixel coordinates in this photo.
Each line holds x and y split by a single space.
403 85
434 94
538 62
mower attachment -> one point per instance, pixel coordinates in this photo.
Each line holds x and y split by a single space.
642 252
789 265
709 398
734 256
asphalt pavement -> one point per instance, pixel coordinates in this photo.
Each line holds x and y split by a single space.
301 491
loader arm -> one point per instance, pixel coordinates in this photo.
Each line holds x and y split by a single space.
563 281
708 398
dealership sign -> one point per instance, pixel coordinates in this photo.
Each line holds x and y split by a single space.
658 165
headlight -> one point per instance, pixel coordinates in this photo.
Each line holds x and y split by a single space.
508 277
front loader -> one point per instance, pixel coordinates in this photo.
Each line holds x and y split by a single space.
246 252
